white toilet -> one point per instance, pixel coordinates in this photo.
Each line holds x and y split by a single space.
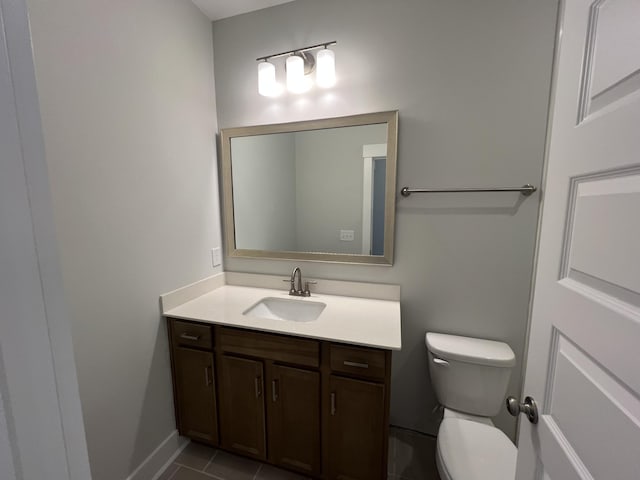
470 378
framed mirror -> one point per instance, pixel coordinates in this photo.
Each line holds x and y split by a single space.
321 190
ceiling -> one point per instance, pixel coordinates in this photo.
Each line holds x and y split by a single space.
217 9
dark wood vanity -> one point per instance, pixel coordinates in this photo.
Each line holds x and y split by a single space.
314 407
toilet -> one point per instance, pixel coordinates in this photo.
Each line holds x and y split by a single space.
470 378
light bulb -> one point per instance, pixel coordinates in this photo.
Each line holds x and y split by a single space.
296 83
267 85
326 68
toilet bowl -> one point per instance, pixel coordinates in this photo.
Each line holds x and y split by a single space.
474 451
470 377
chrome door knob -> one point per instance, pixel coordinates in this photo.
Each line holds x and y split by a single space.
529 408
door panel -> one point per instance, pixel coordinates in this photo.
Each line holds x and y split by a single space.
611 64
356 429
294 418
242 418
583 357
605 229
587 400
196 407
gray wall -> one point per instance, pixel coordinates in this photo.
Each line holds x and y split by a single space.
471 81
128 111
265 208
329 186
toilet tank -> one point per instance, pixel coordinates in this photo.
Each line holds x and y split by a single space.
469 375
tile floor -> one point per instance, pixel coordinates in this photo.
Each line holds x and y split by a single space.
411 457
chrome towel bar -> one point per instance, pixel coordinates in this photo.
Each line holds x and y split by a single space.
525 190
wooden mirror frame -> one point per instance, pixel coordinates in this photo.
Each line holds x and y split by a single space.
227 134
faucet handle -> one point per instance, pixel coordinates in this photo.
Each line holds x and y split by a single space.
307 292
292 291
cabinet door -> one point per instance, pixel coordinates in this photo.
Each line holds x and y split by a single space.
294 418
195 394
356 429
242 406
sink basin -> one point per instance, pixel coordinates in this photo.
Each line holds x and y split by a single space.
286 309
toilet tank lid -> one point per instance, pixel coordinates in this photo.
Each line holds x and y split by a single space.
470 350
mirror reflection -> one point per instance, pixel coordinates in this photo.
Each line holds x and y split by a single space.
310 191
299 190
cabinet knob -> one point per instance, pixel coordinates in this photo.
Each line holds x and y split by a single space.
333 403
274 390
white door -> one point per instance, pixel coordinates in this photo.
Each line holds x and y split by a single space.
43 437
583 365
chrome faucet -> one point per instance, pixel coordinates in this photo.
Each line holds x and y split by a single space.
295 288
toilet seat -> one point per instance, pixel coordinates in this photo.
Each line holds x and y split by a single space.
469 450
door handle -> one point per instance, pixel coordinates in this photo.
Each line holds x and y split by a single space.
258 384
349 363
529 408
186 336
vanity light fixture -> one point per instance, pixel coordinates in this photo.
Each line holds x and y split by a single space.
326 68
296 81
267 85
299 65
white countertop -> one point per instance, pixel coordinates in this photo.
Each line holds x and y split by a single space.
354 320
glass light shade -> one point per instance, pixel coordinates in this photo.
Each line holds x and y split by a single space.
267 85
296 83
326 68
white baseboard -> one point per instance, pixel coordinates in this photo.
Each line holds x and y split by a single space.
160 458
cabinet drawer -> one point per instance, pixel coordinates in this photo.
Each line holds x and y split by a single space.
364 362
191 334
281 348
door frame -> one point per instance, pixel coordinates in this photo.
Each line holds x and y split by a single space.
369 153
37 369
541 193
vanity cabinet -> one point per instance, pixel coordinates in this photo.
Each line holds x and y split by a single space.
357 426
193 381
315 407
277 375
242 410
357 429
294 418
